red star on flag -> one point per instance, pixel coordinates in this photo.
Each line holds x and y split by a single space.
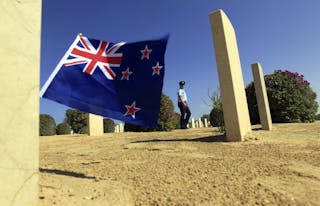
145 53
156 69
132 109
126 74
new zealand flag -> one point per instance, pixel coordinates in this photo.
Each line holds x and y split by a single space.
121 81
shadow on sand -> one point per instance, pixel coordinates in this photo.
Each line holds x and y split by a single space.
66 173
217 138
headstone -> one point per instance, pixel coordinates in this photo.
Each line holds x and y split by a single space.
234 102
121 127
117 129
95 125
192 123
200 123
262 97
19 105
205 122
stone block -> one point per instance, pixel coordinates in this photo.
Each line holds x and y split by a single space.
200 123
117 129
235 107
121 127
192 123
19 106
95 125
262 97
205 122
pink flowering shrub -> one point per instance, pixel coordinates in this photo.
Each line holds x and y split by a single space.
167 118
290 96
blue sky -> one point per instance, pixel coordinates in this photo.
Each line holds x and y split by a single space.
278 34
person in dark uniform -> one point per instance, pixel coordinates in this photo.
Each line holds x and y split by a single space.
183 106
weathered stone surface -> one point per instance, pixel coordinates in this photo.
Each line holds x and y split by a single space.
19 105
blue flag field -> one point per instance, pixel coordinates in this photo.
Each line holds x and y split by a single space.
121 81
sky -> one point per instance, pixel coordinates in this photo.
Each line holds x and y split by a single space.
279 34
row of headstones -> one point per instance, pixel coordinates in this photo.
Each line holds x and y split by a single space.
19 163
199 123
95 121
193 124
119 128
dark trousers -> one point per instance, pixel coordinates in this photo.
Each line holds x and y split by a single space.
185 115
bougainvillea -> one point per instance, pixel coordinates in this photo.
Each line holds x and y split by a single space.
290 96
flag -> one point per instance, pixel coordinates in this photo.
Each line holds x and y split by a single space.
121 81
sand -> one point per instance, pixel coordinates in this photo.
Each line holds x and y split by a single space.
183 167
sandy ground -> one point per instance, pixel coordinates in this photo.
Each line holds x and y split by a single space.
183 167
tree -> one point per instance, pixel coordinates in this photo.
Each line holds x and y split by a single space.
290 96
167 120
78 120
47 125
216 114
108 125
63 128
